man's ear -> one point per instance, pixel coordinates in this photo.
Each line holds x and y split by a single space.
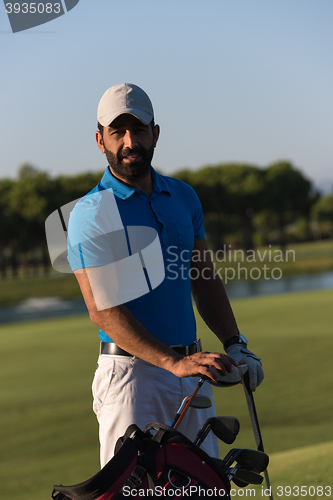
156 134
100 142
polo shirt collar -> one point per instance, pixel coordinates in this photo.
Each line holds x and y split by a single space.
159 183
124 191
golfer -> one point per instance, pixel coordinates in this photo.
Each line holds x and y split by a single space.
136 244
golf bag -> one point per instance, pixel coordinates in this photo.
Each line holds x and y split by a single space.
159 464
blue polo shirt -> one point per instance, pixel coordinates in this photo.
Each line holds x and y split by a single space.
175 212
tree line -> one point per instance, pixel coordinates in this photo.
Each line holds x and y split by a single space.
244 206
248 206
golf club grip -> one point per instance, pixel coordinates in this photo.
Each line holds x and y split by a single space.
174 422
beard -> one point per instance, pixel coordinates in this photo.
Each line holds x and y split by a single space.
130 171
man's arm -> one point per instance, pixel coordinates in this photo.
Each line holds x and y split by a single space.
210 296
215 309
130 334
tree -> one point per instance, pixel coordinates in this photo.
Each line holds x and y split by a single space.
70 188
28 203
288 194
244 185
207 184
7 223
322 213
230 195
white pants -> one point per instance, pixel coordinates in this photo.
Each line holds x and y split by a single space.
127 391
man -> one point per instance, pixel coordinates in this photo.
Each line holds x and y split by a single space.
149 353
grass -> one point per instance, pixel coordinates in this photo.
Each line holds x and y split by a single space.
289 471
311 466
49 433
292 333
48 428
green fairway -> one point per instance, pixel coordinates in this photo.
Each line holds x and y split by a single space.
49 433
310 466
298 473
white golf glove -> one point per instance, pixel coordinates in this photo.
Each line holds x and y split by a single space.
242 355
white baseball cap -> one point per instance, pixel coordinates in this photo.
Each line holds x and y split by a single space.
124 98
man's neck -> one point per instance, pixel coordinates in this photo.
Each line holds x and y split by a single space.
144 183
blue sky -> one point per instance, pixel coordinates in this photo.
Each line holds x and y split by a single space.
231 80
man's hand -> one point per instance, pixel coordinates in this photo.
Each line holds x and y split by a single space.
198 364
242 355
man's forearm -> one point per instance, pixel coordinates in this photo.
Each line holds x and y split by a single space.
130 334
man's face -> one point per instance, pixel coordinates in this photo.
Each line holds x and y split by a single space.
129 146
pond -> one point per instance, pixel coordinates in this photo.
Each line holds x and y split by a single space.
303 282
48 307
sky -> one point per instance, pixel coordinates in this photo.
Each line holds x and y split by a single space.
246 81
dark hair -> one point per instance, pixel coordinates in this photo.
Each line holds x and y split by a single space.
101 128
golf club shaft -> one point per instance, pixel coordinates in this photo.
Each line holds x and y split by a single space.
197 402
200 439
179 412
188 403
232 471
255 423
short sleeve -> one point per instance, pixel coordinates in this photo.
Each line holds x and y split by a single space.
96 236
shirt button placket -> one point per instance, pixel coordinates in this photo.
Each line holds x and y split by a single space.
163 232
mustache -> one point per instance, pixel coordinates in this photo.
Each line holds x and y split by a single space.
134 151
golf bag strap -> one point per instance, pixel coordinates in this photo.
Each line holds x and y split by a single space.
150 454
138 473
146 463
153 448
157 426
133 432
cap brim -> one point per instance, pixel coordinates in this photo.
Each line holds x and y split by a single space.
145 118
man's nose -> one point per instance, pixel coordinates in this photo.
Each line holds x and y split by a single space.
130 140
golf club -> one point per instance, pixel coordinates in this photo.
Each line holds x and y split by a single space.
255 424
188 403
229 380
247 459
224 381
242 477
225 428
198 402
